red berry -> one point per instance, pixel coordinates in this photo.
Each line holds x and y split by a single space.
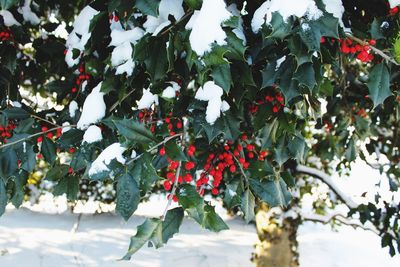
73 90
214 191
188 178
275 109
70 170
167 185
39 139
162 151
322 40
44 128
167 120
179 125
171 176
372 42
72 150
250 155
189 165
116 19
232 168
49 135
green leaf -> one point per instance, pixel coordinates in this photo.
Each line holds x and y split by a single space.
48 150
68 185
232 126
305 75
156 60
376 32
57 172
148 7
379 84
222 76
188 196
273 192
15 113
144 173
18 189
174 151
29 159
3 197
248 205
145 232
299 50
25 126
134 131
71 138
6 4
280 28
269 74
212 221
351 151
128 196
194 4
212 131
8 163
172 222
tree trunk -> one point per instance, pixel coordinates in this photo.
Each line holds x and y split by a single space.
277 246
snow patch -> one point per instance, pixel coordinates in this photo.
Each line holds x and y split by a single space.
27 13
238 31
111 152
212 93
79 36
92 134
394 3
121 56
147 100
206 26
73 107
170 91
8 18
286 9
167 7
94 108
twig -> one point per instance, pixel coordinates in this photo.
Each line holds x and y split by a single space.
178 172
45 120
36 134
153 147
241 169
176 23
376 50
116 104
340 218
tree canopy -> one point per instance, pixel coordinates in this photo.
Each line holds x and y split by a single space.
199 99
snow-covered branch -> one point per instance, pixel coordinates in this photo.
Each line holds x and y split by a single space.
329 182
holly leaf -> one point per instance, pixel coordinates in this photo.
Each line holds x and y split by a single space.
8 163
379 84
273 192
6 4
145 232
68 185
222 76
15 113
57 172
3 197
48 150
248 205
148 7
172 222
280 28
232 126
134 131
128 196
18 188
174 151
212 221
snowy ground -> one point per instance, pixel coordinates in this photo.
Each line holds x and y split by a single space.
39 237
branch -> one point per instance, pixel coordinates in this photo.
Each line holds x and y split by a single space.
241 168
176 23
45 120
36 134
376 50
154 147
329 182
178 172
338 217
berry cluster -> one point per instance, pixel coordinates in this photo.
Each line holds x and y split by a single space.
112 17
229 158
6 132
7 36
49 135
276 100
81 78
364 51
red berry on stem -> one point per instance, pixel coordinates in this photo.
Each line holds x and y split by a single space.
214 191
162 151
